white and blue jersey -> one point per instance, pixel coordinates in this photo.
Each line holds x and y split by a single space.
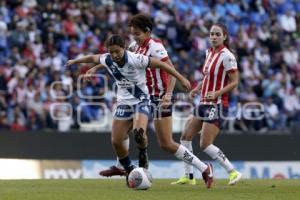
130 79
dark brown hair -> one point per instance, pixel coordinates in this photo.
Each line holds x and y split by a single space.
142 22
115 40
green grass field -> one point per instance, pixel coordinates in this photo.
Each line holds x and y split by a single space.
115 189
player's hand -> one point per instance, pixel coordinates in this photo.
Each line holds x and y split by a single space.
186 84
70 62
212 95
90 73
194 92
166 100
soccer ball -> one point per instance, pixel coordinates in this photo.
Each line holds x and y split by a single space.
140 179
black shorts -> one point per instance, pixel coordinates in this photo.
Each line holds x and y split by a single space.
212 113
157 111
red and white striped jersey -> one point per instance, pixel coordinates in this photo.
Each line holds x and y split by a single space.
216 67
157 80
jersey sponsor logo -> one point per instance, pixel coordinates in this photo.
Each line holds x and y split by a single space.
124 83
160 51
113 69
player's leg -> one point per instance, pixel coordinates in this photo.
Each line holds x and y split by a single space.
117 169
190 130
140 123
209 132
125 144
122 112
141 139
163 128
119 132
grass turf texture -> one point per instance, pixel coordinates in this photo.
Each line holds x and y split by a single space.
115 189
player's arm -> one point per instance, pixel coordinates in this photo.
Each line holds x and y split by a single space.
85 59
196 90
230 66
92 71
233 81
199 86
170 70
171 80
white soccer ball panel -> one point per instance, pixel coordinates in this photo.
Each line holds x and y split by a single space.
140 179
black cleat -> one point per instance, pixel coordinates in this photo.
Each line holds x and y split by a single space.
131 167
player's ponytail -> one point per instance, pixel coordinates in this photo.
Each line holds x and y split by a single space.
115 40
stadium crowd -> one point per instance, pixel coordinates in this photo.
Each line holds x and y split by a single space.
37 37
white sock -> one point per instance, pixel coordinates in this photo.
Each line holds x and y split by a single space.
184 154
125 143
216 154
188 169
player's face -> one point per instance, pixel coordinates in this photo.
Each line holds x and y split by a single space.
116 52
138 35
216 36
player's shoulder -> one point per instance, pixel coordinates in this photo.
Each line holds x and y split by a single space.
106 59
132 46
133 57
227 52
136 59
155 43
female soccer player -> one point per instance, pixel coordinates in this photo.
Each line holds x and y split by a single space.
220 77
129 71
160 87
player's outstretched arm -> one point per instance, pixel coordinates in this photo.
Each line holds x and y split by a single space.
172 71
92 71
84 59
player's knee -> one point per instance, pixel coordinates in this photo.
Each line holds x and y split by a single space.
139 135
115 142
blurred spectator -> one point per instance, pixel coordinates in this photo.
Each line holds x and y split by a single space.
275 119
37 38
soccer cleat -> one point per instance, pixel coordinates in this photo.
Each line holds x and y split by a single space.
207 176
184 180
113 171
130 168
234 177
143 159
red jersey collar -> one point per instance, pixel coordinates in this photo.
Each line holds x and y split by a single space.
146 41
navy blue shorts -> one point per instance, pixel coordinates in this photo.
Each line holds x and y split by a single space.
157 111
126 112
215 114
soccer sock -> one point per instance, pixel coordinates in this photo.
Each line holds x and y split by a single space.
188 169
126 163
125 143
184 154
216 154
